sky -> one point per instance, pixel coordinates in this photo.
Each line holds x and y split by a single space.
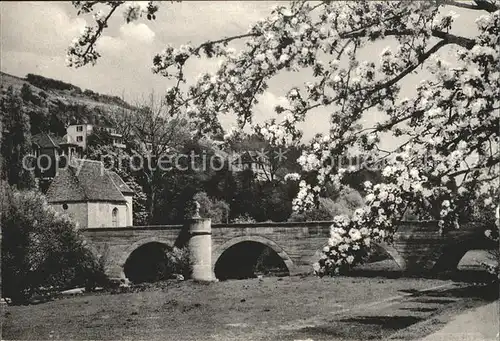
35 36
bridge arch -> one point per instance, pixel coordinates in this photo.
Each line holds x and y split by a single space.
395 255
141 242
451 254
219 251
118 267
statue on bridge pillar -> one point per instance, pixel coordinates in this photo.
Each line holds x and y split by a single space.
196 210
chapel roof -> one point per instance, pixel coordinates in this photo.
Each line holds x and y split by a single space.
86 180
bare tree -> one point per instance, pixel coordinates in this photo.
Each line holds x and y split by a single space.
156 137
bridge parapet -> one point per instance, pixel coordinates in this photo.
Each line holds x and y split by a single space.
104 229
290 225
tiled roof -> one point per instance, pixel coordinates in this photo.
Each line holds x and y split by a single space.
44 140
65 187
84 180
120 183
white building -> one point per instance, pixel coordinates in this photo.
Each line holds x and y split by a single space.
92 196
79 133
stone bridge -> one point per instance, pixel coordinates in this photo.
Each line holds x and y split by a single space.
417 246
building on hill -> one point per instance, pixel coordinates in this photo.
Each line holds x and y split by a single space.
47 145
255 161
51 153
91 195
252 160
80 134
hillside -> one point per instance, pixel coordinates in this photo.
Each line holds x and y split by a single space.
51 104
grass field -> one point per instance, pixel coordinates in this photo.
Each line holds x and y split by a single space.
374 303
288 308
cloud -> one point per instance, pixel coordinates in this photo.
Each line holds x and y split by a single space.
136 39
265 108
107 44
197 21
139 32
44 28
316 121
35 37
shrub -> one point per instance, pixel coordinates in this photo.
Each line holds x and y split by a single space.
410 215
217 210
321 213
277 202
345 203
220 212
349 199
244 219
177 262
41 249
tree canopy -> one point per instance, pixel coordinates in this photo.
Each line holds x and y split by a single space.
448 131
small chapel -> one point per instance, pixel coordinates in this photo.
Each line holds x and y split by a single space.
91 195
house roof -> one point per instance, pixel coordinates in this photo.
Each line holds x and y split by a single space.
44 140
85 180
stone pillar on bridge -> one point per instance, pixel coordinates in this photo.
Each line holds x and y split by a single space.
200 248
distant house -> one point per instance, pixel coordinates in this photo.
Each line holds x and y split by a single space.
91 195
252 160
52 152
81 132
256 161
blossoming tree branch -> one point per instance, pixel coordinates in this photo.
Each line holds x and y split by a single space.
448 155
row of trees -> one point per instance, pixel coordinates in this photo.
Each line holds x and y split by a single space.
212 174
151 131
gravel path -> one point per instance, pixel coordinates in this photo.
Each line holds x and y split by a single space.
480 324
